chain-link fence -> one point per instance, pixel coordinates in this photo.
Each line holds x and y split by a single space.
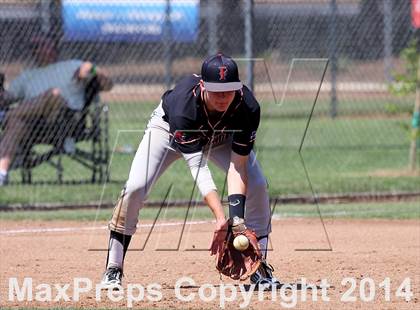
285 49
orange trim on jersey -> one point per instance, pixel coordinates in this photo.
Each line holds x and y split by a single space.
184 142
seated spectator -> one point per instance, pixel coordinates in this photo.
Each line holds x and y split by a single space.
48 91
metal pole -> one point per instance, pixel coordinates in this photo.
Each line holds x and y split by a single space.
45 16
333 56
388 39
249 4
212 11
415 122
167 37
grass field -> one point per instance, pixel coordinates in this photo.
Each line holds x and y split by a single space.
349 154
383 210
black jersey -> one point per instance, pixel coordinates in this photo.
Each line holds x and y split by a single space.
193 128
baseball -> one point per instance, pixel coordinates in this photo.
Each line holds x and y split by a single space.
241 243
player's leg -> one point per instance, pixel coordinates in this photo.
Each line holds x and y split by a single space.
152 158
257 207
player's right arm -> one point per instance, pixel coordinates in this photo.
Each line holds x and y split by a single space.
204 180
212 199
188 142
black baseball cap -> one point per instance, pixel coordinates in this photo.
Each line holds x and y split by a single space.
220 73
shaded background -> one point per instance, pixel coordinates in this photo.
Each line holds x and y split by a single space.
357 141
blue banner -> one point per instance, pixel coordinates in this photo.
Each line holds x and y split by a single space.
129 20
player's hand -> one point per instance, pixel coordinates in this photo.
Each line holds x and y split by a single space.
219 237
220 223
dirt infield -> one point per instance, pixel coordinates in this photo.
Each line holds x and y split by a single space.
55 253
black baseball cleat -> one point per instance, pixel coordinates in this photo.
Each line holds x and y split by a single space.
264 277
112 278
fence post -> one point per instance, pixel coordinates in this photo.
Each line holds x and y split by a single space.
212 10
388 39
167 37
333 56
249 6
415 123
45 16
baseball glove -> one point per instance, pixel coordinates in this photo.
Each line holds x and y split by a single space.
238 265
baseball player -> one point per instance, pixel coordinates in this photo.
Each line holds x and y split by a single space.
208 117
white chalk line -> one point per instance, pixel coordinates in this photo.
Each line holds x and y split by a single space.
71 229
283 215
166 224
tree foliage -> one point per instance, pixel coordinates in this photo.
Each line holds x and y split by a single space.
405 83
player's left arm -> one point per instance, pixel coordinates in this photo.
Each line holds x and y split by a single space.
237 178
188 142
